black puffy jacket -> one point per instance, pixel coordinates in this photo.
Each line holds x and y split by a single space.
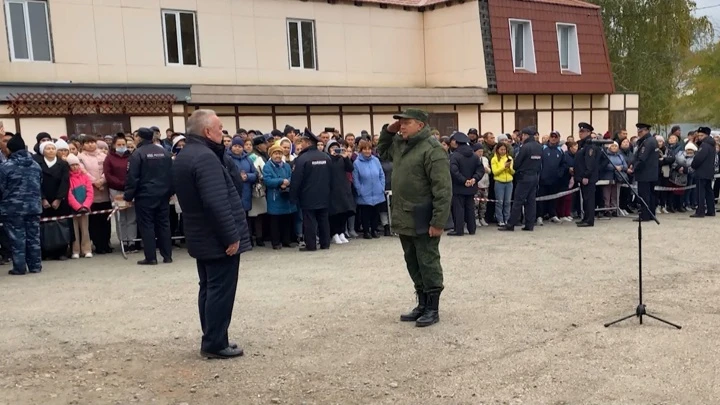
310 181
213 215
704 161
465 165
149 178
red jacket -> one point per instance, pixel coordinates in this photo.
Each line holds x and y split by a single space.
115 169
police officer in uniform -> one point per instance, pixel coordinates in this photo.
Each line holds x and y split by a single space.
646 168
422 191
704 165
148 187
527 166
310 190
587 172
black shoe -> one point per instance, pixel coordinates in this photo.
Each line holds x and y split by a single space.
508 228
366 235
146 262
697 216
453 233
62 258
386 230
167 260
306 249
584 225
671 210
325 247
418 311
16 273
525 228
278 247
226 353
682 209
374 234
431 315
710 214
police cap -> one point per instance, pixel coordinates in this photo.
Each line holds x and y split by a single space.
704 130
585 126
310 136
640 125
459 137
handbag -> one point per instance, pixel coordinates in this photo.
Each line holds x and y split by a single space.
258 189
55 235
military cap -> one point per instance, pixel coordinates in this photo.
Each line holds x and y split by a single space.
586 126
310 136
459 137
472 131
640 125
145 133
529 131
412 113
704 130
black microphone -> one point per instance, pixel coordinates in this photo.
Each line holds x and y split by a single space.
600 141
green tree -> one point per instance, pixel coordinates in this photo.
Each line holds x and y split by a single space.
649 42
701 101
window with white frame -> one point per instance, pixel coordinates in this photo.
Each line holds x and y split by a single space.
522 46
568 48
180 38
28 30
301 44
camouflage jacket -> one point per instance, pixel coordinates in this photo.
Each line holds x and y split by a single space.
20 179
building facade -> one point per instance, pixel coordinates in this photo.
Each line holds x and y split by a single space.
105 66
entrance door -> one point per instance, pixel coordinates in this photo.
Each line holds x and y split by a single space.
617 121
98 124
446 123
525 119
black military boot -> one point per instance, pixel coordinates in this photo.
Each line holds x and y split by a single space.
386 230
418 311
431 314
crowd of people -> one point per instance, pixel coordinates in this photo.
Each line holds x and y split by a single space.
301 189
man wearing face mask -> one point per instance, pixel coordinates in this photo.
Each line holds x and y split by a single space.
148 186
422 193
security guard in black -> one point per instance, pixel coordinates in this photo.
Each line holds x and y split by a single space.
587 172
646 170
527 166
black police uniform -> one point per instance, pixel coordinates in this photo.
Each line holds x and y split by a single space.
587 167
646 170
310 190
527 165
149 184
464 165
704 165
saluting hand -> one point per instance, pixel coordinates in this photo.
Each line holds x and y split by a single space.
394 127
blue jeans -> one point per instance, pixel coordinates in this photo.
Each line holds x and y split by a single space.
503 195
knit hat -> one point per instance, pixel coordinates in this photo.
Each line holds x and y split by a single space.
16 143
102 145
275 148
237 141
477 147
501 138
691 146
276 133
42 146
258 140
72 160
43 135
61 145
659 138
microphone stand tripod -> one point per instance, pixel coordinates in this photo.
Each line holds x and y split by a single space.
640 311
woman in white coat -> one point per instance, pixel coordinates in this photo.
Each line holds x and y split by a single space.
258 214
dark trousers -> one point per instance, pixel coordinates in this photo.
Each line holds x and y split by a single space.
24 234
5 245
706 198
338 223
463 209
525 197
716 188
548 208
281 228
154 222
422 257
368 217
490 212
646 190
100 228
218 284
314 222
588 196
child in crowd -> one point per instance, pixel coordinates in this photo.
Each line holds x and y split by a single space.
80 198
483 185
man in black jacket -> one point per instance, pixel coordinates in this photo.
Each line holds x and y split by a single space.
215 228
310 190
149 186
646 168
554 167
466 170
527 165
704 165
587 172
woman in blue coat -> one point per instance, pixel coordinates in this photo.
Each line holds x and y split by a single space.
369 181
276 176
245 166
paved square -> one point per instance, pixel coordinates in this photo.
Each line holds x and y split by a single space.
521 322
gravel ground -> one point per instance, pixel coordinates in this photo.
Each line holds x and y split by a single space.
521 322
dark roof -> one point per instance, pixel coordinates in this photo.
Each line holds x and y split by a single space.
596 77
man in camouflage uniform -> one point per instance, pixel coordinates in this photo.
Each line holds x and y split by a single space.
20 207
422 192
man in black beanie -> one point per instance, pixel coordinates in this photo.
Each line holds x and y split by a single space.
20 208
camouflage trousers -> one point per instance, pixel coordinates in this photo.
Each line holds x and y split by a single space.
24 234
422 257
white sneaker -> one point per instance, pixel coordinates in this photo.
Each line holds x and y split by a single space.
343 239
88 255
539 222
555 220
568 219
336 240
658 211
664 210
75 256
501 224
483 222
